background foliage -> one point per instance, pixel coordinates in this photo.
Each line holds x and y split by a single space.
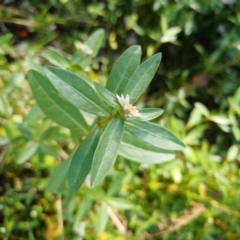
195 196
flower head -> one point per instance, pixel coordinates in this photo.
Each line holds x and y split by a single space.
129 109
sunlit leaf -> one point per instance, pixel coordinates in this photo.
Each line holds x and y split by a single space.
123 69
54 105
141 78
82 160
106 151
76 90
150 113
154 134
135 149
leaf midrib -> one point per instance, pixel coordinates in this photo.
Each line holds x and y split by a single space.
83 96
73 120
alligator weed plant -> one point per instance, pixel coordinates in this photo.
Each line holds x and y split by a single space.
119 128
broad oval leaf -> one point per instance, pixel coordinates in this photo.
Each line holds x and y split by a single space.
150 113
76 90
142 77
107 96
123 69
154 134
135 149
82 160
106 151
54 105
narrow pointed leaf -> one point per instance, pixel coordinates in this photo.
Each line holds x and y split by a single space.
135 149
82 160
94 43
76 90
123 69
107 96
142 77
154 134
54 105
150 113
28 152
106 151
56 59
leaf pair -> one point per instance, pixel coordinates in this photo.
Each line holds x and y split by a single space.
97 153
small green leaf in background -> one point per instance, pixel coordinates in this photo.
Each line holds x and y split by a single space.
154 134
54 105
106 151
101 220
142 77
82 160
56 59
58 177
150 113
135 149
93 43
123 69
28 152
76 90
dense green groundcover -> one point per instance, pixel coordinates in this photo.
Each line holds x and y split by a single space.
194 196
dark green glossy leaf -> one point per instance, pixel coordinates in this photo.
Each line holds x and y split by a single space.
54 105
154 134
82 160
141 78
123 69
106 151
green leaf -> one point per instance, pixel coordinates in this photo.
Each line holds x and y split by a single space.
58 177
95 40
101 219
28 152
150 113
94 43
107 96
154 134
56 59
34 115
142 77
106 151
123 69
76 90
54 105
82 160
135 149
